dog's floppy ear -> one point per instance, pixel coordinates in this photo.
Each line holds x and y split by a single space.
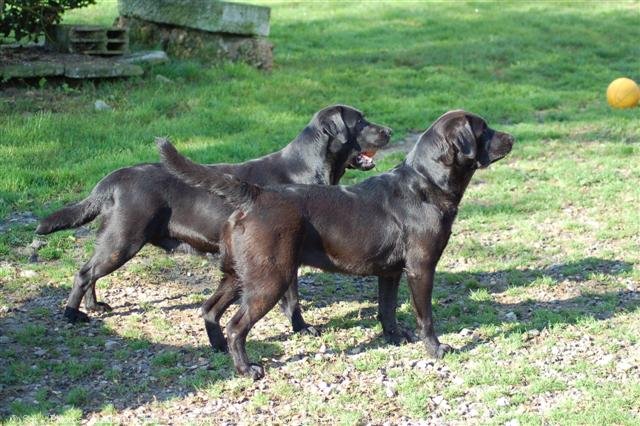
464 140
333 125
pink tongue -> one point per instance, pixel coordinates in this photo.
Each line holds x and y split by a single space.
365 160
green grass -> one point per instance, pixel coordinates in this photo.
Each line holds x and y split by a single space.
541 267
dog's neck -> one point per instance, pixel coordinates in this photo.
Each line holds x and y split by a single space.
429 167
317 165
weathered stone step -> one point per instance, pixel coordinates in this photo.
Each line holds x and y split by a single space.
33 63
206 15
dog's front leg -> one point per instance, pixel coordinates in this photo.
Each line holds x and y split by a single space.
421 286
387 305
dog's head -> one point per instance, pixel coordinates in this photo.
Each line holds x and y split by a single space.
350 140
457 144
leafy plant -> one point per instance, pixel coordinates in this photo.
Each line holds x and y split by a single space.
29 19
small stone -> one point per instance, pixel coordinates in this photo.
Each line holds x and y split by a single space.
422 364
503 401
437 400
510 316
624 366
530 335
324 387
512 422
5 339
28 273
458 380
606 359
162 79
110 344
466 332
36 244
390 390
39 351
101 105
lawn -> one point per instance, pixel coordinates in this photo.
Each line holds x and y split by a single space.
538 290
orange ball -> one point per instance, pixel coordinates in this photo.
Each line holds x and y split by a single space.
623 93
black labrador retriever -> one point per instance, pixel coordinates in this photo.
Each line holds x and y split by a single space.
398 221
146 204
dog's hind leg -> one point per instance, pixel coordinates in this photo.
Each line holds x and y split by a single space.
213 308
387 304
112 251
255 305
290 306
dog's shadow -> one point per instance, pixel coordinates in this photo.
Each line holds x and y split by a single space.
152 370
457 305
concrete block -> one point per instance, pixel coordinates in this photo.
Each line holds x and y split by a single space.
89 40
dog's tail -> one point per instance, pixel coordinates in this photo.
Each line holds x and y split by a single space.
237 193
71 216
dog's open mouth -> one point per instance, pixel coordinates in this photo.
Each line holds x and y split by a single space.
364 160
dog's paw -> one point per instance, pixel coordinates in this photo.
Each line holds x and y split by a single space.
443 350
220 346
100 307
309 330
74 315
255 371
438 351
400 336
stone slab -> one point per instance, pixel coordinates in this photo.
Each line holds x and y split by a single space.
101 69
206 15
31 70
37 62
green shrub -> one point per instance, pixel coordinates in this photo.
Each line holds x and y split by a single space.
29 19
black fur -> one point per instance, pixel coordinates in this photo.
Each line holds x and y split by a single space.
396 222
147 204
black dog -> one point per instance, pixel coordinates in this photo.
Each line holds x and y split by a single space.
398 221
146 204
